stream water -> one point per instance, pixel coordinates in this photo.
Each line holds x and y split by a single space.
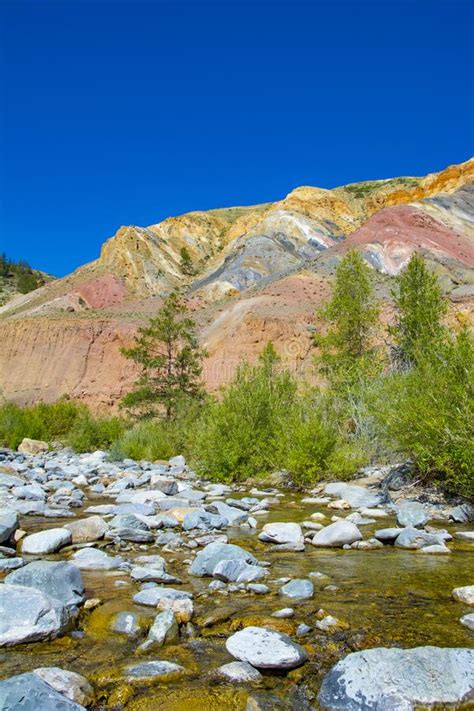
387 597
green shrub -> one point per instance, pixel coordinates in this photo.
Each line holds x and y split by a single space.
42 421
428 414
239 436
148 439
90 433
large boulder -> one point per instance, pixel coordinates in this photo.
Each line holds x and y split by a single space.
48 541
265 649
413 538
29 692
207 559
337 534
8 524
87 530
29 615
32 446
399 679
412 514
61 580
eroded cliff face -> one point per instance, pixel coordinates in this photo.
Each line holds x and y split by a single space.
258 274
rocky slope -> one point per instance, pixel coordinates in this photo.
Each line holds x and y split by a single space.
254 273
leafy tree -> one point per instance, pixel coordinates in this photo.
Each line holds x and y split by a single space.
420 305
186 263
347 349
168 353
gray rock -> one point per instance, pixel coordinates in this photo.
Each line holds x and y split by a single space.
337 535
8 524
152 596
298 589
265 649
94 559
258 588
356 496
88 529
464 594
163 630
412 514
463 513
126 623
31 492
61 580
48 541
388 535
29 692
11 564
29 615
74 686
233 515
150 670
468 621
399 679
238 571
283 534
239 672
414 538
464 536
164 484
203 520
207 559
284 613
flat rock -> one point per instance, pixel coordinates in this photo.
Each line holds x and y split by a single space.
464 594
337 535
265 649
283 533
151 596
239 672
94 559
87 530
464 536
60 580
151 670
399 679
32 446
388 535
48 541
163 630
29 692
207 559
29 615
298 589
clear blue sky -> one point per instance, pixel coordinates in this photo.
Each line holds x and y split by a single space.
121 112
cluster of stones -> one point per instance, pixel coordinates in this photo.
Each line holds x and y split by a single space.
164 505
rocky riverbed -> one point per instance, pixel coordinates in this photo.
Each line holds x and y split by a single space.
135 585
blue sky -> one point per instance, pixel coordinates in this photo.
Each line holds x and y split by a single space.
120 112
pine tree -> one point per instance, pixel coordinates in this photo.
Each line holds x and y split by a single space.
347 350
168 353
420 306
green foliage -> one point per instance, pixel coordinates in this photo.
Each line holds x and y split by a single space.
25 277
420 309
186 263
26 282
428 413
90 433
348 353
43 421
168 353
239 435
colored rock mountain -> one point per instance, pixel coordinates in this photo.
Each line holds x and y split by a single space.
249 274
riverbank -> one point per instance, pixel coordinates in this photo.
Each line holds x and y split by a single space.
162 590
